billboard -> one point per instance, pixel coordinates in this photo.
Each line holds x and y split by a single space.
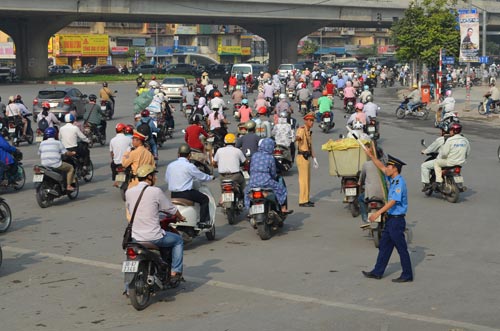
469 37
7 50
80 45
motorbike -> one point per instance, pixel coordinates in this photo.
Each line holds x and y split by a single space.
226 90
15 129
453 182
107 109
350 187
231 199
191 211
303 107
372 129
283 155
419 110
327 122
83 171
376 228
50 184
123 176
5 217
265 214
494 107
188 110
291 93
94 134
236 110
340 93
14 175
349 108
446 120
147 268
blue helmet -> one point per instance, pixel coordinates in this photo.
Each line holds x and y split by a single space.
366 87
244 101
49 132
69 118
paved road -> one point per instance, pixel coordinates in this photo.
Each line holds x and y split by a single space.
61 265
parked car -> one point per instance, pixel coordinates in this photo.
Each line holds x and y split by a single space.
180 69
4 73
62 69
146 69
61 100
173 88
106 69
218 70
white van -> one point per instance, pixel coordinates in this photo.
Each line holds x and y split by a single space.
248 68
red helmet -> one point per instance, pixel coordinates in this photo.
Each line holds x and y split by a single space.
45 105
120 127
153 77
262 110
325 92
217 94
129 129
145 113
456 127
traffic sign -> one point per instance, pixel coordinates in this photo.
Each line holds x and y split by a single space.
448 60
467 11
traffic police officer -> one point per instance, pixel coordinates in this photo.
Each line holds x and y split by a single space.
395 225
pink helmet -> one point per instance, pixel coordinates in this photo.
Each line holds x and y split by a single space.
359 105
448 93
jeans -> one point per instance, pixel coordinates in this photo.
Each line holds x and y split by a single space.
488 104
175 241
363 207
154 147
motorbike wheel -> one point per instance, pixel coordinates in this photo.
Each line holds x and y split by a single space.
498 153
5 216
29 136
400 113
91 141
454 192
138 289
231 216
74 194
354 207
102 140
123 189
425 115
481 109
90 172
264 231
211 234
377 234
19 184
43 199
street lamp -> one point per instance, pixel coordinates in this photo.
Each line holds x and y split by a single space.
156 43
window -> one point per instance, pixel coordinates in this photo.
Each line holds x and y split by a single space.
227 42
203 41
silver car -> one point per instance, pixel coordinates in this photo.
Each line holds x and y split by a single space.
173 88
62 100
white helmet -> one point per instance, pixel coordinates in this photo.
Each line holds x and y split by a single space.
282 96
283 114
357 125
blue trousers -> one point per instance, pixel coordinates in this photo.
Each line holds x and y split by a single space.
363 207
393 236
175 241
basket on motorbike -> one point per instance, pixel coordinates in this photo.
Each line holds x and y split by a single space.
345 156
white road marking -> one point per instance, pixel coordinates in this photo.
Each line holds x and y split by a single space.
271 293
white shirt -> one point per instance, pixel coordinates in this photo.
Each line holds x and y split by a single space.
448 104
118 146
69 134
217 102
456 150
181 173
370 109
12 109
229 159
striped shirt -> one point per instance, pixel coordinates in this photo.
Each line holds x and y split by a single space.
50 151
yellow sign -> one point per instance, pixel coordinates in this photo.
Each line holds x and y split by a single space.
95 45
80 45
246 51
230 50
70 45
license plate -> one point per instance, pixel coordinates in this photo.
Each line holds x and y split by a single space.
188 111
351 192
53 104
371 129
459 179
326 119
246 175
39 139
37 178
12 130
228 197
257 209
130 266
120 177
103 107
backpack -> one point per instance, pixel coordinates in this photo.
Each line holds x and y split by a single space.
145 129
43 124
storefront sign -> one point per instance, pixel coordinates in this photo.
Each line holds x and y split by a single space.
7 50
117 50
80 45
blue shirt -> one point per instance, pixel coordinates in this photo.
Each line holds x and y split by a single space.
5 151
340 83
181 173
398 193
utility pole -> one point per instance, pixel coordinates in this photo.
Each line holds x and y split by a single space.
467 80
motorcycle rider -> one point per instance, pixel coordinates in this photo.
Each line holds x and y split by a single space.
358 115
180 175
237 96
249 141
282 105
269 90
50 151
139 80
245 112
73 139
146 226
426 166
493 96
330 87
48 115
118 145
349 94
261 102
7 161
105 94
454 152
94 115
137 157
189 96
284 135
228 160
304 95
325 106
370 108
142 126
414 97
366 92
448 104
13 112
217 102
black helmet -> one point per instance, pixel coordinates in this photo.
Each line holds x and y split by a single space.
92 97
105 84
184 149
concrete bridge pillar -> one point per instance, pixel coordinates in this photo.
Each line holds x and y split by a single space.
282 39
31 36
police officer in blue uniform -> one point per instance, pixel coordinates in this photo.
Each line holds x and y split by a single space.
395 224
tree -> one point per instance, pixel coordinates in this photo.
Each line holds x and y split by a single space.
308 48
425 28
492 48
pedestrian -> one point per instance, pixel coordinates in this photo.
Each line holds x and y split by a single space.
393 234
305 153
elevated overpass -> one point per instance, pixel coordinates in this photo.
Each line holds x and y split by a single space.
281 22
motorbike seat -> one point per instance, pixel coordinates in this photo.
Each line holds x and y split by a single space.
182 202
451 168
149 245
376 199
